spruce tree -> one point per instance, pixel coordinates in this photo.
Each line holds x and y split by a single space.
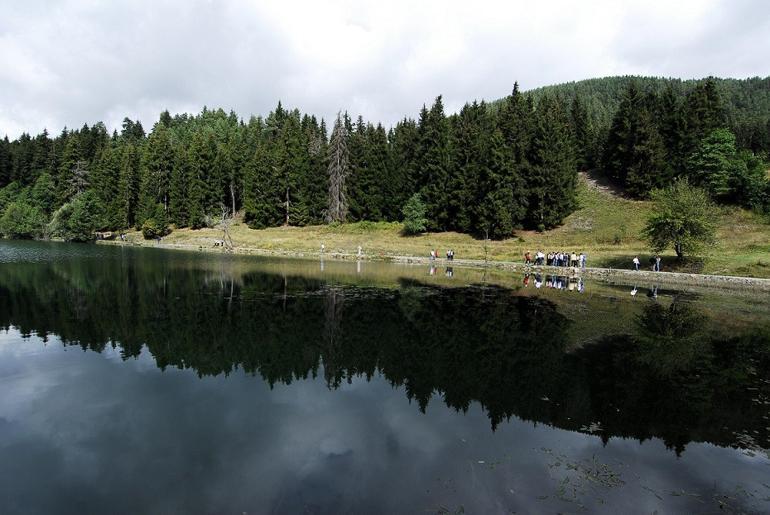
403 172
434 164
5 161
582 131
128 185
469 134
495 218
156 165
178 204
552 174
105 183
647 161
202 163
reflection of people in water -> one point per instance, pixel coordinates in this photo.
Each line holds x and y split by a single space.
526 280
581 286
432 270
538 281
633 292
449 271
653 293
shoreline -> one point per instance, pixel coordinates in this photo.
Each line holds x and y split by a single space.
610 275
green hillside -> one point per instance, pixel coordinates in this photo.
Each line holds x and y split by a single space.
747 101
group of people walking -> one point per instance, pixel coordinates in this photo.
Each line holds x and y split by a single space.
563 259
450 254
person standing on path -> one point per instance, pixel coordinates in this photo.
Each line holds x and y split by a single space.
636 263
657 263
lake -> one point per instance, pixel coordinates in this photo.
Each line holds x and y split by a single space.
150 381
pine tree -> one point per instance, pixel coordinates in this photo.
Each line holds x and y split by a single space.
647 162
673 131
316 183
157 163
5 161
178 205
403 172
552 175
495 217
294 164
202 157
105 183
70 162
469 157
582 131
262 203
128 185
714 163
434 164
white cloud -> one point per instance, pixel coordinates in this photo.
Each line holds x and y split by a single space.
81 61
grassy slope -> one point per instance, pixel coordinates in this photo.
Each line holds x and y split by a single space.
606 227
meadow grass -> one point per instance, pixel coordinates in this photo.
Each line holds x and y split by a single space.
606 227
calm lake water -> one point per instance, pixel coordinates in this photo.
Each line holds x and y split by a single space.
151 381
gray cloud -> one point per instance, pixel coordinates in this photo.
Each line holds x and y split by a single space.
77 61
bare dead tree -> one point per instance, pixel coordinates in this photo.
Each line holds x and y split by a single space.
338 170
224 223
232 195
78 181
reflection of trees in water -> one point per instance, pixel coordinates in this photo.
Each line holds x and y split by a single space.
670 379
671 338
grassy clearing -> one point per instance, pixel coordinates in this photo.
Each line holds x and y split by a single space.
606 227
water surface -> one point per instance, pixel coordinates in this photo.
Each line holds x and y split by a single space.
149 381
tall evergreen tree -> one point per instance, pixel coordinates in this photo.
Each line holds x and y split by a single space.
495 208
584 142
5 161
403 146
552 175
178 208
128 185
156 165
202 162
434 164
469 133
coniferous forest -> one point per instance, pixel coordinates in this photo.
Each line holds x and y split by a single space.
487 170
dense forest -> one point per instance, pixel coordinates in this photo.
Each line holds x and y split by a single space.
486 170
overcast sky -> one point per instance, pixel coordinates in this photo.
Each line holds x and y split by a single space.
77 61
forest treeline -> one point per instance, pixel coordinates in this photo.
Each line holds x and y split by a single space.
486 170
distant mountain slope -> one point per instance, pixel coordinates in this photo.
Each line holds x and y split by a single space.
747 101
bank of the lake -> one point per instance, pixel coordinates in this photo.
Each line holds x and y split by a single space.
606 227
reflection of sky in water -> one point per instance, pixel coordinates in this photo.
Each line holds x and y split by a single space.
87 432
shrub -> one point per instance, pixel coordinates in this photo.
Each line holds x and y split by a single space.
414 215
151 229
79 219
22 221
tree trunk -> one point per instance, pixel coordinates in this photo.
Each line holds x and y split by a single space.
678 250
287 206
